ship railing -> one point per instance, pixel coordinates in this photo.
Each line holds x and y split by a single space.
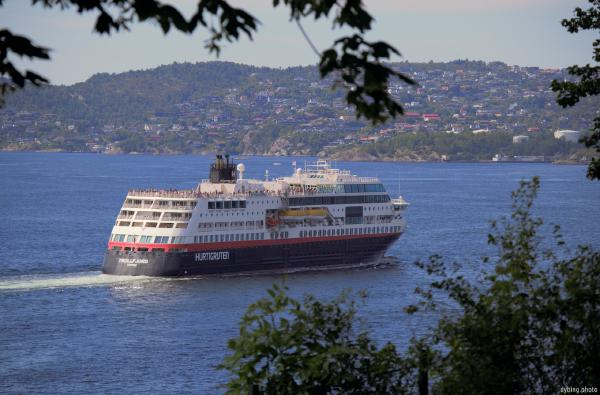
237 195
148 217
173 218
308 192
132 205
185 194
175 208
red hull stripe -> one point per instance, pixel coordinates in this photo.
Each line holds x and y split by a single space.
243 244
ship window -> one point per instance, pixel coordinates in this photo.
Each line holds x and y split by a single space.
222 237
142 249
262 236
219 205
116 248
211 205
161 239
158 249
227 204
242 204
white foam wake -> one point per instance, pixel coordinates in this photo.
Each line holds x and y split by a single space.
82 279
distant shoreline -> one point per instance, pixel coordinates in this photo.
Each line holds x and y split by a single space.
370 160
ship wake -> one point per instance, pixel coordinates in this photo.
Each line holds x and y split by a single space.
59 281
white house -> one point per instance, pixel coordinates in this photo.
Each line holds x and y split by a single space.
572 136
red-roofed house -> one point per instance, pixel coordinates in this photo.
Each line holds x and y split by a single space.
431 117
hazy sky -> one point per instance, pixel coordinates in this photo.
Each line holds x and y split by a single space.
523 32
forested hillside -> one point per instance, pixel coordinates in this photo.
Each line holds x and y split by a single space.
204 107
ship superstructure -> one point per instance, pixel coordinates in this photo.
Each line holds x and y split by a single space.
317 217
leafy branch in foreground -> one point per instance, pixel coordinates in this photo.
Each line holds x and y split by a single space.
531 326
588 84
291 347
358 63
20 46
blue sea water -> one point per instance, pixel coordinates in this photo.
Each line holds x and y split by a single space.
65 328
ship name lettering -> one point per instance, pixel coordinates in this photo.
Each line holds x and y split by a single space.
212 256
132 260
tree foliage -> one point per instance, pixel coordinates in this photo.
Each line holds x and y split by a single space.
290 347
356 62
587 77
20 46
531 326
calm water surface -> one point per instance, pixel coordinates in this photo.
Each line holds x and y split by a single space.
65 328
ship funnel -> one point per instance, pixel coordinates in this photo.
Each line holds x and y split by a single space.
222 171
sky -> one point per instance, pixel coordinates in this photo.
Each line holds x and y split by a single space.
521 32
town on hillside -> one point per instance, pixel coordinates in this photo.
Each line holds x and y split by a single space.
460 110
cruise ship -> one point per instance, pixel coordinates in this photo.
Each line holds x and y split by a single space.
318 217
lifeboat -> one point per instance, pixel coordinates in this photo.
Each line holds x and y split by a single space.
304 213
272 222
